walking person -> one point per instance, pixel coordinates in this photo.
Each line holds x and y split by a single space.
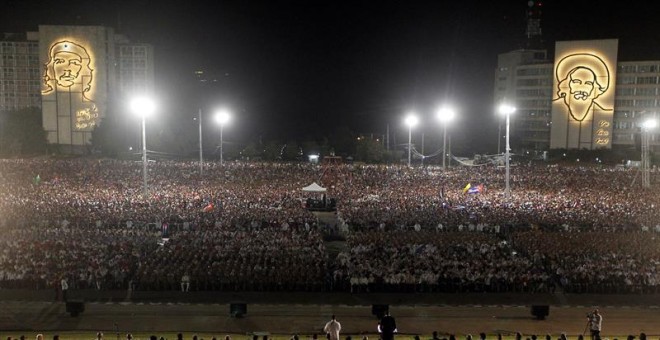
595 321
332 328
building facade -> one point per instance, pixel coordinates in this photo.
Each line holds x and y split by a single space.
74 74
559 108
20 74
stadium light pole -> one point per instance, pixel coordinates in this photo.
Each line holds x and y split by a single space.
507 110
647 126
445 114
143 107
411 120
222 117
201 155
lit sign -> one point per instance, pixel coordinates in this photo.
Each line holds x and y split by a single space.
582 78
582 108
69 71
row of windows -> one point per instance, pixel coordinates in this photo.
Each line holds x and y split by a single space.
535 135
629 80
10 73
130 75
133 87
627 125
541 92
19 82
19 47
638 68
136 51
24 97
15 103
534 113
618 114
20 95
628 137
534 71
11 56
136 63
636 91
623 125
528 103
639 103
623 137
533 125
534 82
10 91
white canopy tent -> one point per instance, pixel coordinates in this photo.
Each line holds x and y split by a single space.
314 188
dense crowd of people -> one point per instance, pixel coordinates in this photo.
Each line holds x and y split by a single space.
244 226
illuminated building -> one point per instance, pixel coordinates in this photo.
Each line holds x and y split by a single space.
75 74
553 112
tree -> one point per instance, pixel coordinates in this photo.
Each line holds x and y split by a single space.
105 138
272 151
311 147
370 151
291 151
251 152
343 141
21 132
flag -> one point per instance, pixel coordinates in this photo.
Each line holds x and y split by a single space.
476 190
467 187
208 208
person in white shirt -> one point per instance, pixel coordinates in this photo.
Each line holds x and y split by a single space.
595 323
65 286
332 328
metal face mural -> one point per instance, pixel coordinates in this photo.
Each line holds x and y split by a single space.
583 106
69 76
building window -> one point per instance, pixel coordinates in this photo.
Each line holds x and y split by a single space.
647 80
623 103
645 91
627 69
625 80
645 103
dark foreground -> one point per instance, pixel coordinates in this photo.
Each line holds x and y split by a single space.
305 313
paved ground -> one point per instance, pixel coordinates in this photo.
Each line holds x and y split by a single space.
305 313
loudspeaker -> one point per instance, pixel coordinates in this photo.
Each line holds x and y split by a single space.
540 311
75 307
237 310
379 310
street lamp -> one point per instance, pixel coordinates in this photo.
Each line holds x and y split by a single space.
201 156
647 126
507 110
143 107
222 117
411 120
445 114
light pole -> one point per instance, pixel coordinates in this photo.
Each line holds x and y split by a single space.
445 114
411 120
143 107
507 110
647 126
201 158
222 117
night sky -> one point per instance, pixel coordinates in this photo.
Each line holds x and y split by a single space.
299 69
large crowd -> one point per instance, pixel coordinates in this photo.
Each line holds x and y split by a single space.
244 226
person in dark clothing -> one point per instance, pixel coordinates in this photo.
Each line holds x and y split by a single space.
387 326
